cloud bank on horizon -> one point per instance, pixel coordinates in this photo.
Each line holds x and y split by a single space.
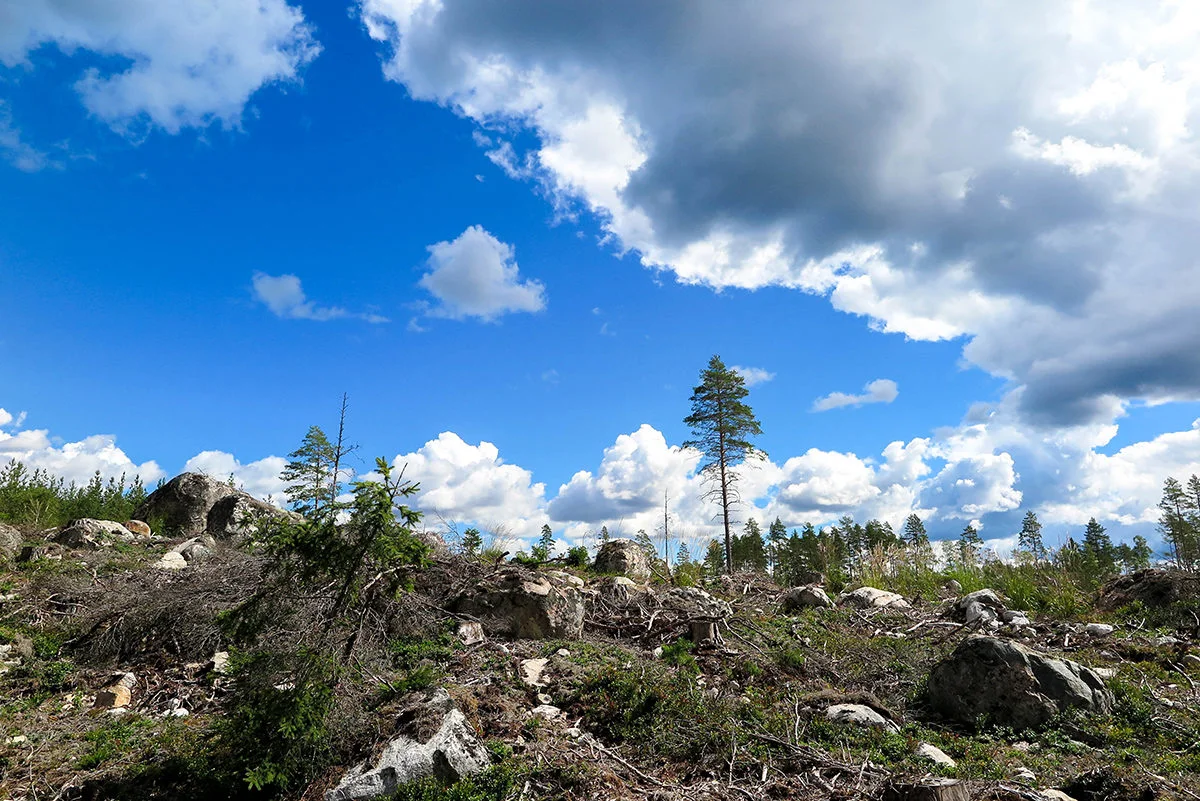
949 481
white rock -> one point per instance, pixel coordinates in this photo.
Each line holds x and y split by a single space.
935 754
859 715
531 671
171 561
1098 629
563 652
451 753
1025 774
219 663
17 740
546 712
470 632
872 597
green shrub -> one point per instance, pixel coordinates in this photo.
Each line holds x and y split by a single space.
276 732
679 654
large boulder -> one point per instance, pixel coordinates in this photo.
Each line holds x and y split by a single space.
1008 684
89 534
1153 588
237 516
180 507
434 739
799 598
873 598
623 557
523 604
10 541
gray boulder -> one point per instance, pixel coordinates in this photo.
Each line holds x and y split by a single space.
859 715
873 598
624 557
523 604
10 541
434 740
798 598
181 506
89 534
981 605
1009 684
237 516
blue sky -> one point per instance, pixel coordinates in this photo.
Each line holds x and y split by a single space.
514 237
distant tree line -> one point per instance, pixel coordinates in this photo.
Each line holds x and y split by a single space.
36 498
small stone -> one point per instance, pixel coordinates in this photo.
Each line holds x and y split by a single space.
1099 629
1025 775
658 652
531 671
543 698
546 712
171 561
17 740
1056 795
935 754
858 714
470 632
563 652
1105 672
574 733
219 663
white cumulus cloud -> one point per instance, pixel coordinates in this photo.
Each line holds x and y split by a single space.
753 375
284 296
173 64
476 275
881 390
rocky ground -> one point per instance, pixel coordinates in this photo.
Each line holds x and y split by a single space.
524 682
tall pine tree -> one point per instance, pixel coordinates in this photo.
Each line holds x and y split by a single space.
722 424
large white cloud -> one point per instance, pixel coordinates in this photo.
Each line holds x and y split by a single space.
464 482
476 275
986 471
73 461
260 478
175 64
1024 176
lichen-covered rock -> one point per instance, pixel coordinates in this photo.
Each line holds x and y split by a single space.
1008 684
181 506
617 589
799 598
237 516
981 606
434 740
10 541
858 715
625 557
873 598
89 534
520 603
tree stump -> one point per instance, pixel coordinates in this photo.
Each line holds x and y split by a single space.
928 790
703 631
